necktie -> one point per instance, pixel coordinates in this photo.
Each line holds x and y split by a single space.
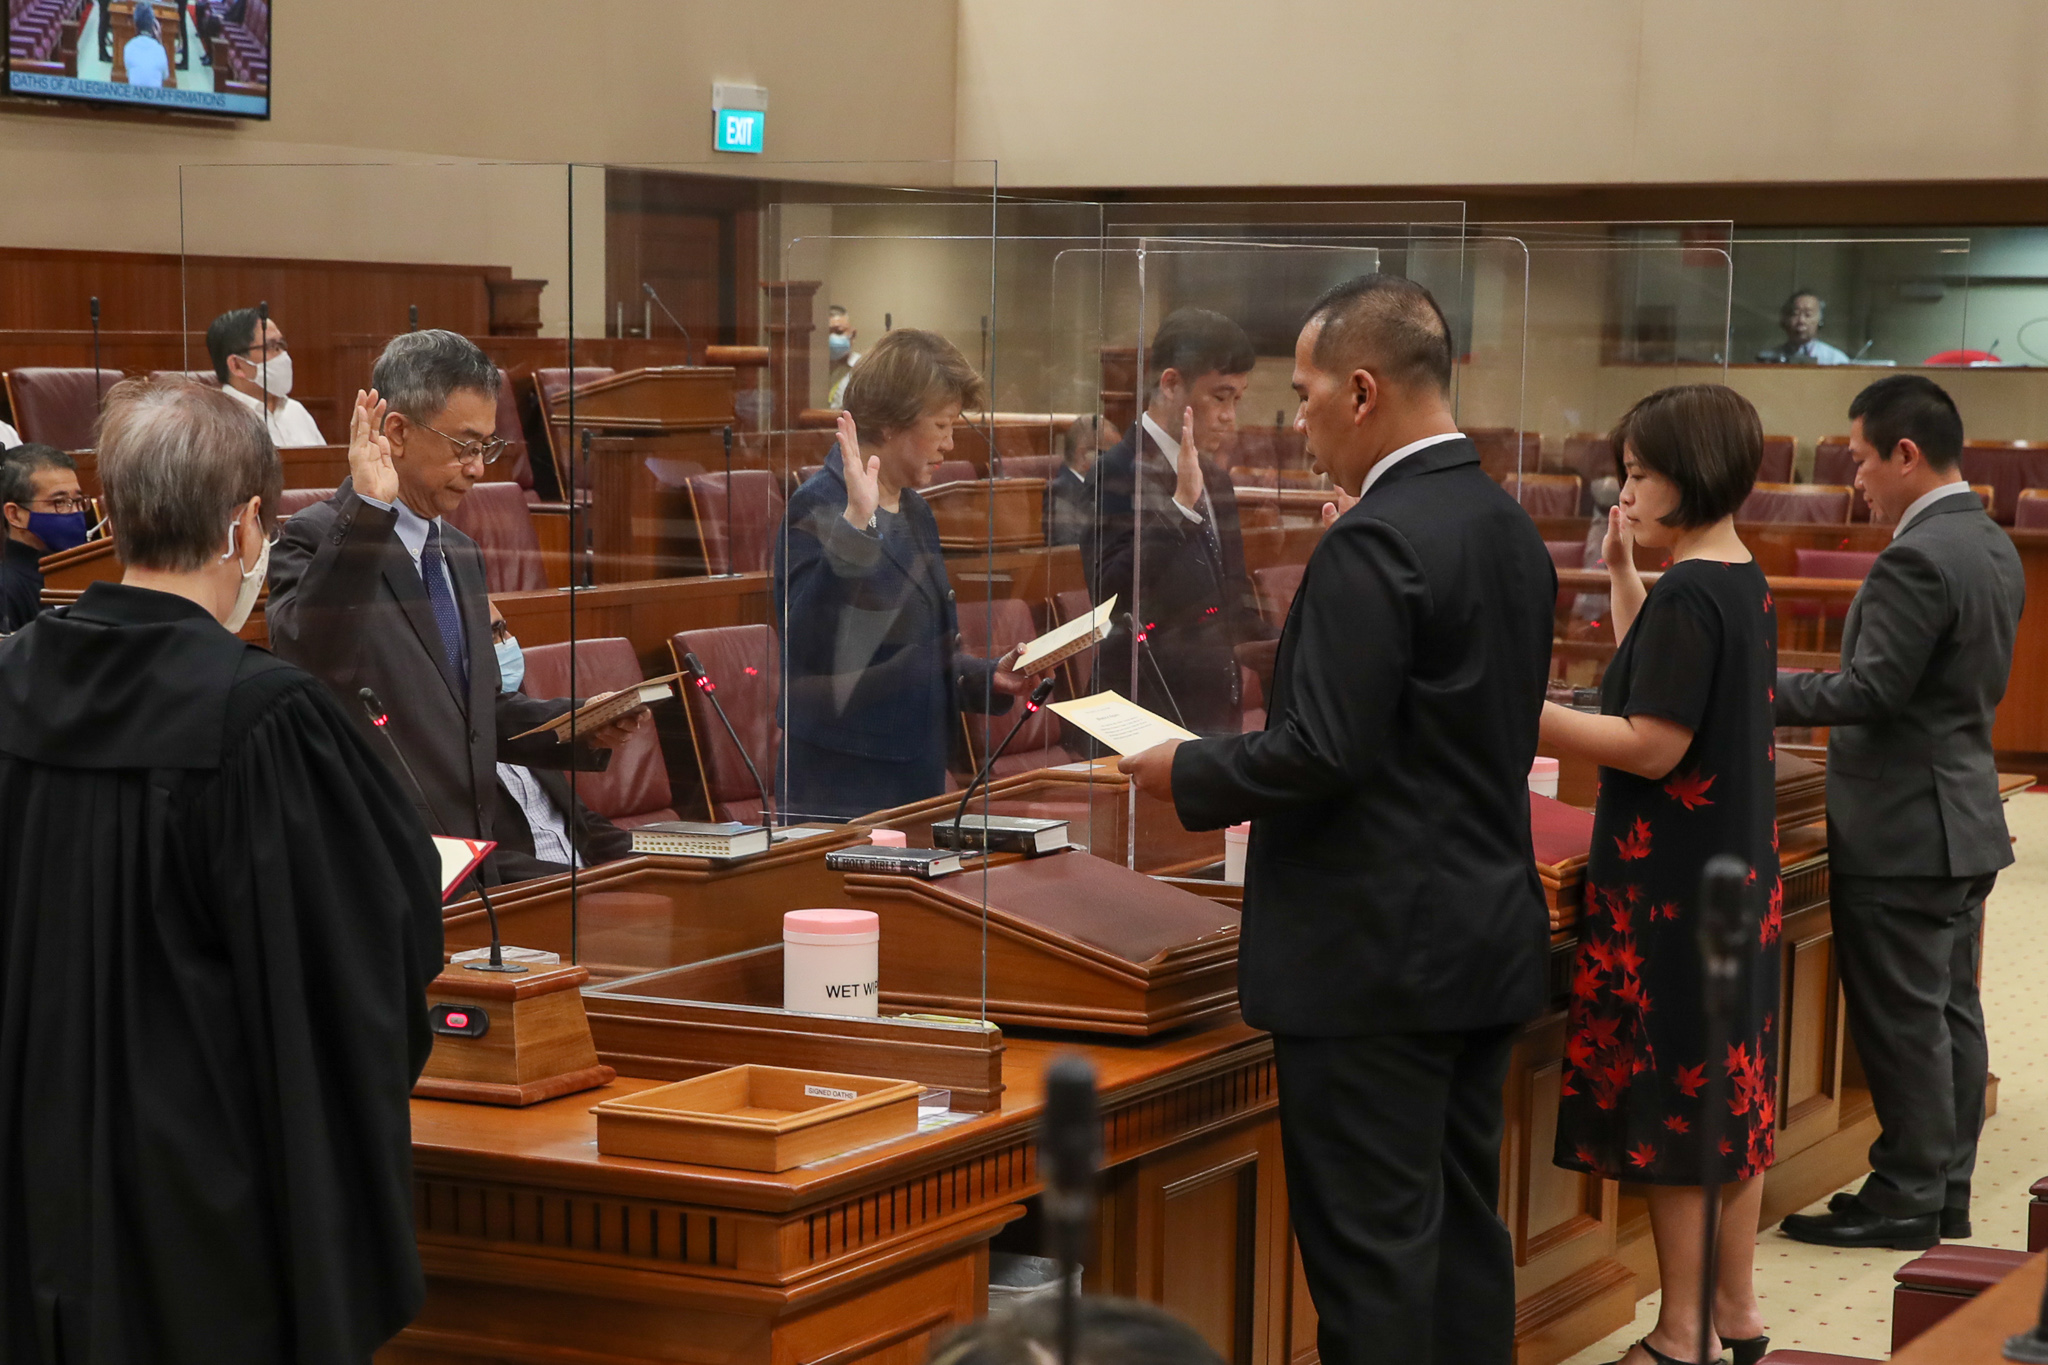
433 570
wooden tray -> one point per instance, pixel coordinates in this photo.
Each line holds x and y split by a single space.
757 1118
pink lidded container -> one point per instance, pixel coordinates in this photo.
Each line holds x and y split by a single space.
831 962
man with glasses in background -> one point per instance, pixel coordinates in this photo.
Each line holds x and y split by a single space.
255 368
46 511
373 588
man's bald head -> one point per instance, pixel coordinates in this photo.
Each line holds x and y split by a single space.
1387 325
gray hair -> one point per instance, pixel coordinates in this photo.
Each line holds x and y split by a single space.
176 458
419 371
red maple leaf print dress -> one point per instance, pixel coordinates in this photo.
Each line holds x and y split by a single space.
1703 654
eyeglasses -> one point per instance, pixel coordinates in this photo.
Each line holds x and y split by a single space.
465 451
64 504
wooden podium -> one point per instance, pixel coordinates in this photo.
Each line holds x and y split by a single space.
1000 514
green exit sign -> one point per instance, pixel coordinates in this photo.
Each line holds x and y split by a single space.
740 130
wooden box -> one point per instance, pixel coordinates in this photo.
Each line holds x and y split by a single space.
534 1045
757 1118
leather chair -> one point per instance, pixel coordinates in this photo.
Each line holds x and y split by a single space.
1503 450
993 629
1590 455
58 406
1848 564
634 790
1777 465
1804 503
750 505
1832 463
1566 554
1276 585
495 516
2009 467
1936 1283
295 500
550 383
2031 513
954 471
744 663
1545 495
1030 466
516 464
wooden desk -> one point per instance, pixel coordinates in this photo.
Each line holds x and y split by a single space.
1975 1333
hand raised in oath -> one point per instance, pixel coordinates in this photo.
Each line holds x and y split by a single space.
863 476
1187 474
1333 510
369 449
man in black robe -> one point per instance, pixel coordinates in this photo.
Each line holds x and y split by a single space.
218 916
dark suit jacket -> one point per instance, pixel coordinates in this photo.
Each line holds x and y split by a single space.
1912 788
866 627
21 583
1391 885
596 839
1069 507
347 605
1198 605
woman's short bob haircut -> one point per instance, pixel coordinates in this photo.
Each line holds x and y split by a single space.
176 459
908 374
1705 438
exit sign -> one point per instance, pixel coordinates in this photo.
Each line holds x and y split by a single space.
740 130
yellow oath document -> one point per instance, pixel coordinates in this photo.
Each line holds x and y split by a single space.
1122 724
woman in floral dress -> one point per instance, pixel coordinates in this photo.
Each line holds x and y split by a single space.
1688 772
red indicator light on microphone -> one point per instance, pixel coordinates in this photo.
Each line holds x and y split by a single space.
457 1019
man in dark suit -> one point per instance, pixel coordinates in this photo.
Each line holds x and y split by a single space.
372 588
1394 930
1164 537
1916 831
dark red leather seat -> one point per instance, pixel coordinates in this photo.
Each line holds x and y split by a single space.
744 663
1806 503
1777 465
1815 1358
1936 1283
295 500
2008 466
634 790
1826 564
515 465
1276 586
954 471
1503 450
495 516
58 406
1566 554
1030 466
749 508
2037 1216
1545 495
991 630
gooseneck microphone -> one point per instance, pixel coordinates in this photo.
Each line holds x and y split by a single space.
656 298
695 667
1724 930
1144 638
1069 1156
1032 703
379 720
99 400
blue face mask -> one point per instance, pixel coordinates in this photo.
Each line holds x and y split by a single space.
511 664
58 530
838 346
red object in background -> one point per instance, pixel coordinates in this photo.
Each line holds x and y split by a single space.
1963 358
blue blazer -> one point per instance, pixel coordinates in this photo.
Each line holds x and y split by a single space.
870 636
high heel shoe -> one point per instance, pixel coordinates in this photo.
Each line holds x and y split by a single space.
1661 1359
1748 1350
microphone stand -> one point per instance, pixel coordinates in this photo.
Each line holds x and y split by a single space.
1724 927
1031 704
99 399
263 349
1144 638
710 690
379 718
671 317
732 567
1069 1154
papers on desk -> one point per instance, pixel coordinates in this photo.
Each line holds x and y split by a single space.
606 707
1123 725
1057 646
459 858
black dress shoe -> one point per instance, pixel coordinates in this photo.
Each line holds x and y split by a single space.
1849 1222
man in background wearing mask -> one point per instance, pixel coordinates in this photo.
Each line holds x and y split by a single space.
541 827
839 335
46 512
255 368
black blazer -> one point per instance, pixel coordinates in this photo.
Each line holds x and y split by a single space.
595 839
1390 885
1198 603
347 605
866 625
1926 649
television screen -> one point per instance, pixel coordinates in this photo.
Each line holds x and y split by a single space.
191 56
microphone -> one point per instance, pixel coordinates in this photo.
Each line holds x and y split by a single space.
1144 638
412 316
649 289
1069 1155
99 399
1725 927
263 348
695 667
379 719
1032 703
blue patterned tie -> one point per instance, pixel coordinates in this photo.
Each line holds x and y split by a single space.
432 569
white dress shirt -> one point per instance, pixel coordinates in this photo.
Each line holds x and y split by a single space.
1927 500
289 424
1170 447
551 842
1372 476
9 437
412 534
145 60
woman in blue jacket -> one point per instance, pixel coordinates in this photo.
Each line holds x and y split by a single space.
873 674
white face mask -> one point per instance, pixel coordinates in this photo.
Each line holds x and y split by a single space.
252 580
275 377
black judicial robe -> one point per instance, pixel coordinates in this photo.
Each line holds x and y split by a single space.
218 917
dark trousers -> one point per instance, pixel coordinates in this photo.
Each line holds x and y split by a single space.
1908 952
1392 1145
